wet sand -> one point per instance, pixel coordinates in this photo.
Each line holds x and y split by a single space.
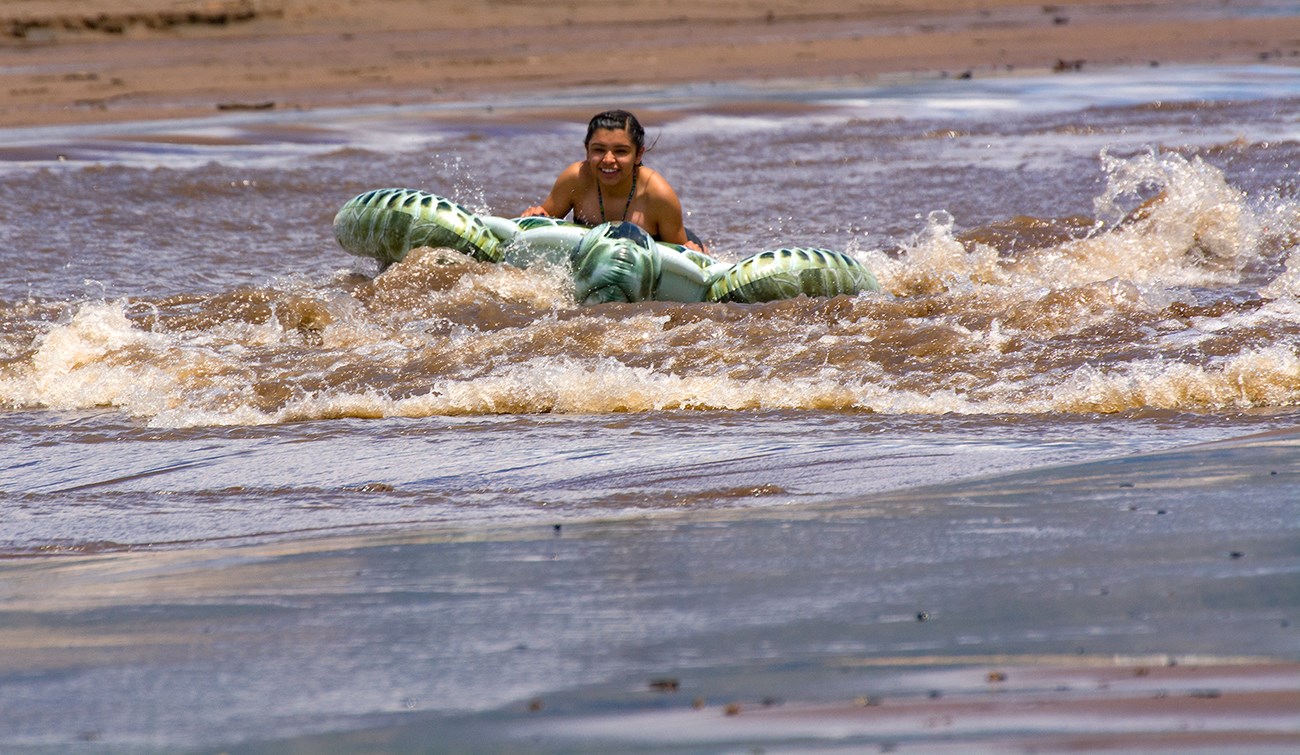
977 705
69 61
1089 607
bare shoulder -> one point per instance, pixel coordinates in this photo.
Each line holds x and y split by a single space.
568 185
657 187
572 175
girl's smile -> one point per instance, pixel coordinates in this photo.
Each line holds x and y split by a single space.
611 155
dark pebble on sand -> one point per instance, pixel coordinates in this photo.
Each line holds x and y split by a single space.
227 106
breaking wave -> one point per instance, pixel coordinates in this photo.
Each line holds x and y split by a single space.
1179 294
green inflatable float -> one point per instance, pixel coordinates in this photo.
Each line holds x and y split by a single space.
611 262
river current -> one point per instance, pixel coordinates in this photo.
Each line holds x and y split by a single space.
1075 266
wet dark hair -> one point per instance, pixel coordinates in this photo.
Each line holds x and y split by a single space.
617 120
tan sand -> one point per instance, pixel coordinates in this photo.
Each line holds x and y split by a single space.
1021 705
67 61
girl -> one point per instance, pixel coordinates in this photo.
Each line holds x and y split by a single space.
611 184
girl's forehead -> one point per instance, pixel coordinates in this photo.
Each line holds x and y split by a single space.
611 137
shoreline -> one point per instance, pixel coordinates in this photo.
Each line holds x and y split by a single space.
144 64
1146 637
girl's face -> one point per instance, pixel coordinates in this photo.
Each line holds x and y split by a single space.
612 155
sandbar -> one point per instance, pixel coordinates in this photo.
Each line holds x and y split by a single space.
89 61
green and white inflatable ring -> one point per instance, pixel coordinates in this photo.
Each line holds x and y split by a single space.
611 262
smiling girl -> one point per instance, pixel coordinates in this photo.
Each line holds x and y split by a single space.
611 184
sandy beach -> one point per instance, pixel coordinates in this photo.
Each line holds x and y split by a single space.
68 61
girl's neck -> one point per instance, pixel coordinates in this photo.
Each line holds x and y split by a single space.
615 192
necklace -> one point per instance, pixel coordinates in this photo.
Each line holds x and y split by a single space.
600 197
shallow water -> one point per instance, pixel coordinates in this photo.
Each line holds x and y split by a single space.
544 639
1077 267
175 317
